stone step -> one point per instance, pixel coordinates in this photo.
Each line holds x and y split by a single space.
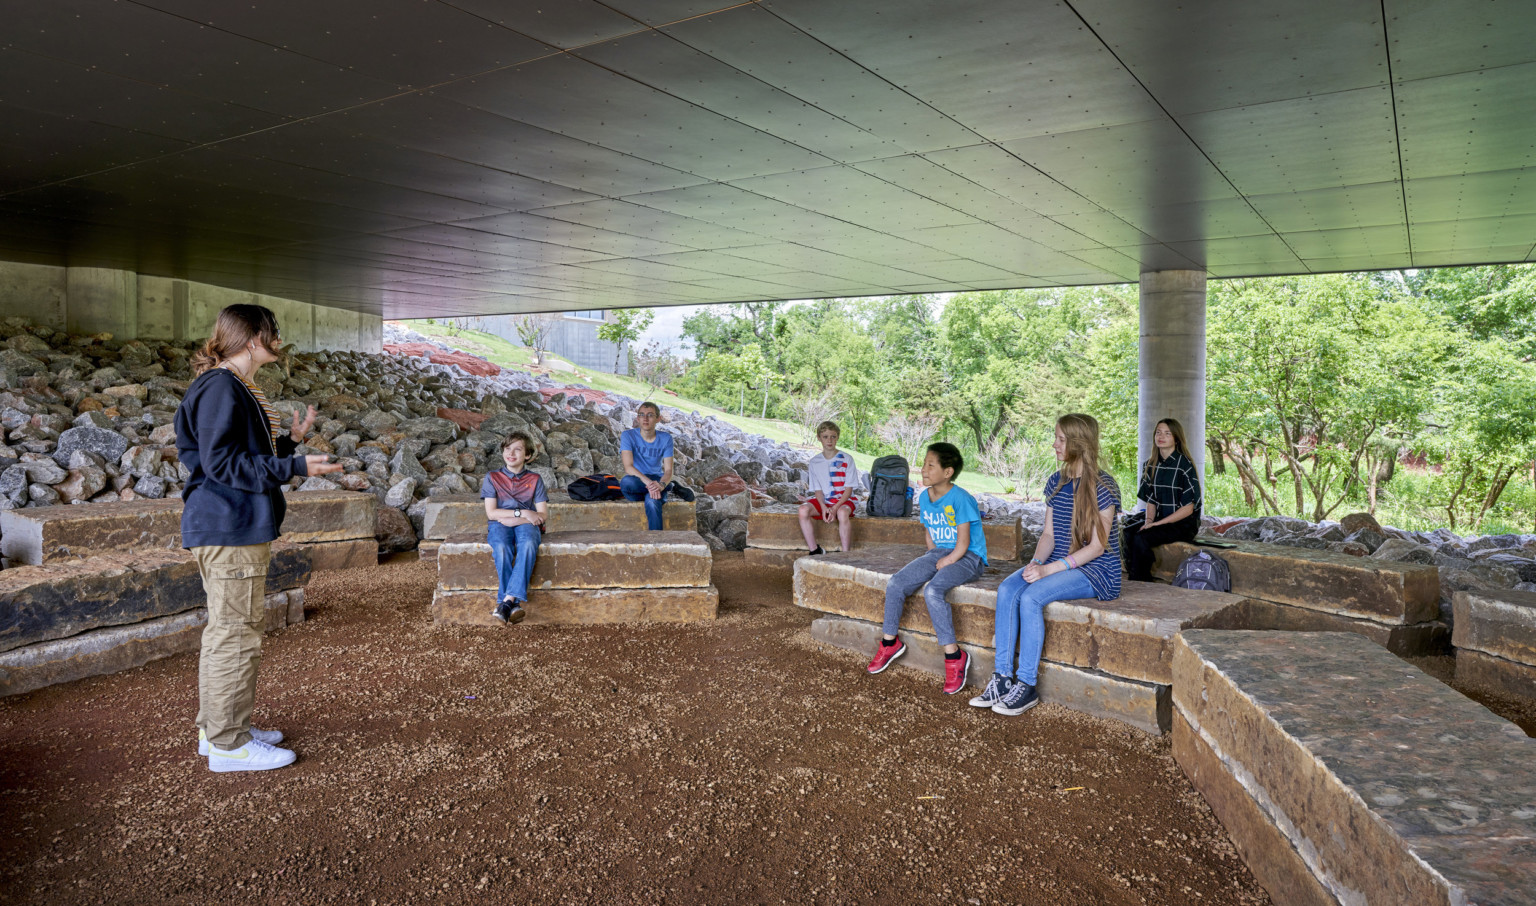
1130 637
612 559
49 534
472 607
1365 588
1495 640
58 600
777 527
1145 706
1403 640
116 648
459 514
1345 775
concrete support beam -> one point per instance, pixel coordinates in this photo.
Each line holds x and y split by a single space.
1172 363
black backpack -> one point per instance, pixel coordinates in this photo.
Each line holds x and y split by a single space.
1202 570
888 488
601 486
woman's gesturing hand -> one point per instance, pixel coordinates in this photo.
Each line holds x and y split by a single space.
300 429
319 464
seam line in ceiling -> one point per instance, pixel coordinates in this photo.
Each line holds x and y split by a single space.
1397 135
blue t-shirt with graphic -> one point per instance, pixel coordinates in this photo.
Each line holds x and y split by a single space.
942 519
648 456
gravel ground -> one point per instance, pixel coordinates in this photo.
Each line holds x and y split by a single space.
732 762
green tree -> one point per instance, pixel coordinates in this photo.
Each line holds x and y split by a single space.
1309 372
1488 406
626 327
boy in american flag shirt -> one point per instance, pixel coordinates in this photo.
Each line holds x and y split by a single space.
834 479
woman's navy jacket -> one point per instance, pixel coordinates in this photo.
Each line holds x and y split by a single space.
234 496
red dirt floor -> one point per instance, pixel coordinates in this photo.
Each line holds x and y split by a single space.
731 762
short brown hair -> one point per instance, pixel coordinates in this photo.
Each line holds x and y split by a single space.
514 437
829 426
651 406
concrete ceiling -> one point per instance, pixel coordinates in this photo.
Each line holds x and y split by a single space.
435 157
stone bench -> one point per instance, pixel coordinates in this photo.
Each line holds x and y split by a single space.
584 577
460 514
1495 640
70 619
774 538
337 527
1345 775
1109 658
1396 605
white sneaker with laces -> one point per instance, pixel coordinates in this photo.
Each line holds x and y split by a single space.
270 737
253 756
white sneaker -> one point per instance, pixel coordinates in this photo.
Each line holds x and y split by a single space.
270 737
253 756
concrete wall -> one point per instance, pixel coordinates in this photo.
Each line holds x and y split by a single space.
87 300
573 338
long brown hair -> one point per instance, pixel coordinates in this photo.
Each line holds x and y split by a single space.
1081 433
235 328
1179 444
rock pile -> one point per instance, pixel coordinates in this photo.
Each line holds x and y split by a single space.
89 419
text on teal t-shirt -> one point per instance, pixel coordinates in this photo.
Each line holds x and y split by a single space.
943 517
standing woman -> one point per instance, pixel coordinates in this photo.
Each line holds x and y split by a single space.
1078 557
1171 488
230 439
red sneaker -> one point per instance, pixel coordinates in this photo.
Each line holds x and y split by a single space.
884 654
955 672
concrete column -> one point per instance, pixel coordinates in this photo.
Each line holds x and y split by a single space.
1172 364
102 300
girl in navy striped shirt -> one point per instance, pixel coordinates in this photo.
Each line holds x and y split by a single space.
1078 557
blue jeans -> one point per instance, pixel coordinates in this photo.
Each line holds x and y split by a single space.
634 489
925 569
514 550
1021 617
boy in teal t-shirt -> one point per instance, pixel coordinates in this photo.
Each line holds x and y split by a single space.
957 553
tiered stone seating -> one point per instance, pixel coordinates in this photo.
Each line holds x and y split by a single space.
337 528
774 539
1495 640
461 514
1345 775
1110 658
73 618
583 577
1394 604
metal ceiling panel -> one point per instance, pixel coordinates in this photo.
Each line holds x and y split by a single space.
1375 204
429 123
1503 192
572 97
147 45
57 88
667 64
410 44
1467 123
402 156
1003 70
1126 167
1214 56
1429 38
568 23
764 45
1343 138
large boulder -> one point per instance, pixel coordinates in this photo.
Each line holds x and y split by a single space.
1354 522
393 530
109 445
1402 550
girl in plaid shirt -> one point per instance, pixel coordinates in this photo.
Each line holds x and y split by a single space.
1171 488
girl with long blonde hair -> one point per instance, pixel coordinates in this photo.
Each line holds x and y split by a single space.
1078 557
